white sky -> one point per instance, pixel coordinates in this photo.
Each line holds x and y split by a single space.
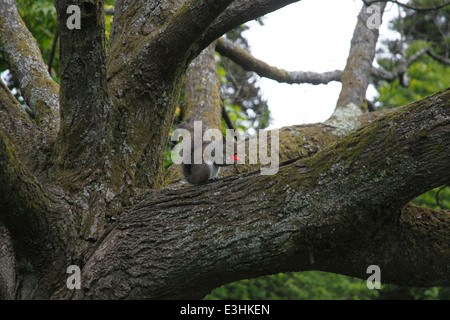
310 35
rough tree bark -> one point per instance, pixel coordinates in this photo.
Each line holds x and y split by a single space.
202 90
22 53
356 76
89 194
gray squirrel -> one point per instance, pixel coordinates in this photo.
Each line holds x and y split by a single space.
208 169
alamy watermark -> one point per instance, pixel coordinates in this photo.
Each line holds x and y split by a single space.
73 281
205 146
74 20
374 21
374 281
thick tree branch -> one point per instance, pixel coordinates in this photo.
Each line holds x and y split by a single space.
38 219
300 141
239 12
297 219
202 90
8 276
20 130
22 53
417 240
188 20
83 94
146 62
358 70
41 227
243 58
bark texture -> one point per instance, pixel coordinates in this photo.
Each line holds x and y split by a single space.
202 90
23 55
93 197
144 83
320 213
357 72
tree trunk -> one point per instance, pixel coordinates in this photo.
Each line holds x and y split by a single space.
202 90
85 188
357 72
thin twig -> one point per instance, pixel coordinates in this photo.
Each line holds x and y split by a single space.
438 58
416 8
437 195
52 53
226 117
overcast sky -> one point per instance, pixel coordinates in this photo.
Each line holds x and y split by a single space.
310 35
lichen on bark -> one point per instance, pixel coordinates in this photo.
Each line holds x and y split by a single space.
20 50
337 204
